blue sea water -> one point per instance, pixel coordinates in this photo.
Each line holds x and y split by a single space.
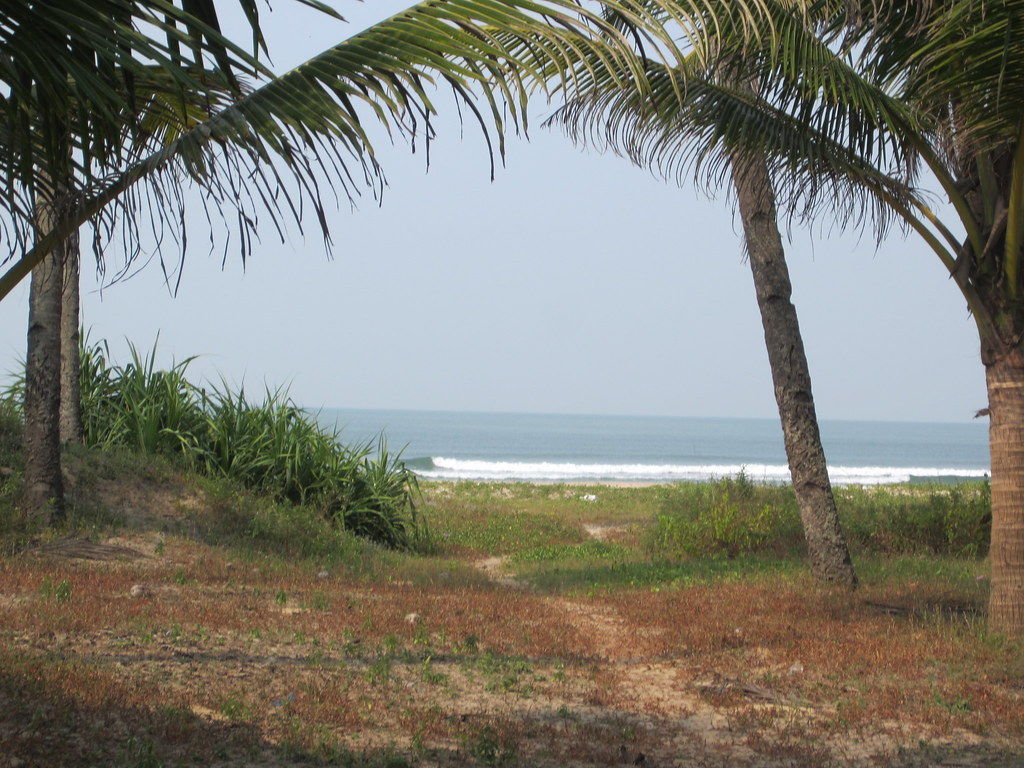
579 448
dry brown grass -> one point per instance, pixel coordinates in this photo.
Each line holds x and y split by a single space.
230 663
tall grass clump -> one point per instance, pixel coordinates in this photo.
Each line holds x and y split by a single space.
137 404
728 517
273 446
951 520
733 517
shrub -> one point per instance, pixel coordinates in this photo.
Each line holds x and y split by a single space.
136 405
943 520
381 502
273 447
730 517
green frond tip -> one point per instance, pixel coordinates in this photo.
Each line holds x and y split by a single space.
1015 220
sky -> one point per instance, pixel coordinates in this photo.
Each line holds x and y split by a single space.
573 282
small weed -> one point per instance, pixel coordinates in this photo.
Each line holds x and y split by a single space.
318 602
492 748
956 706
430 676
379 671
421 636
391 644
175 632
140 752
281 597
62 592
235 710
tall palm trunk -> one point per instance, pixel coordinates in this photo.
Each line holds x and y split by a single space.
826 547
71 429
1004 375
43 491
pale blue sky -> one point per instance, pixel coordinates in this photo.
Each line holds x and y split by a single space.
572 283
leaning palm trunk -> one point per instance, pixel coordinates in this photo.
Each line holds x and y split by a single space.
71 430
827 552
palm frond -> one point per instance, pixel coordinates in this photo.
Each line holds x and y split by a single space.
269 151
69 72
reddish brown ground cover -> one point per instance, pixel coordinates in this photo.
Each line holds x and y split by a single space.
147 650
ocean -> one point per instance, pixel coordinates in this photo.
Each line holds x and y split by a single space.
649 449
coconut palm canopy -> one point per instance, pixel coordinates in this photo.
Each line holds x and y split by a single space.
860 108
285 142
857 106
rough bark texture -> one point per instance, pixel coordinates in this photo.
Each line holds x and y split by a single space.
44 486
1005 379
827 551
71 430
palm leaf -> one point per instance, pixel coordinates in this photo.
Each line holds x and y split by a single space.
268 150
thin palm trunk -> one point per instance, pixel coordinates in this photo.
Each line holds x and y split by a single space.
826 546
71 430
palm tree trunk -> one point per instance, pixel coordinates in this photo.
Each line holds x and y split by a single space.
1005 379
71 429
43 491
826 546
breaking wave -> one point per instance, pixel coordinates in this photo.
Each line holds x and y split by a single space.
440 468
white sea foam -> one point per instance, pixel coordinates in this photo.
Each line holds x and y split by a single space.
440 468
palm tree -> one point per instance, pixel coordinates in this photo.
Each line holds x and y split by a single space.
861 106
827 551
630 122
149 102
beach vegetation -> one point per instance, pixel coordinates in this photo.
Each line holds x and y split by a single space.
731 517
271 447
943 519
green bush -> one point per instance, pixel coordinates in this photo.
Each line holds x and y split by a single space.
136 404
730 517
380 501
273 447
11 463
733 517
943 519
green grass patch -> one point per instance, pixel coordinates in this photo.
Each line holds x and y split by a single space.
588 550
639 572
496 527
734 517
